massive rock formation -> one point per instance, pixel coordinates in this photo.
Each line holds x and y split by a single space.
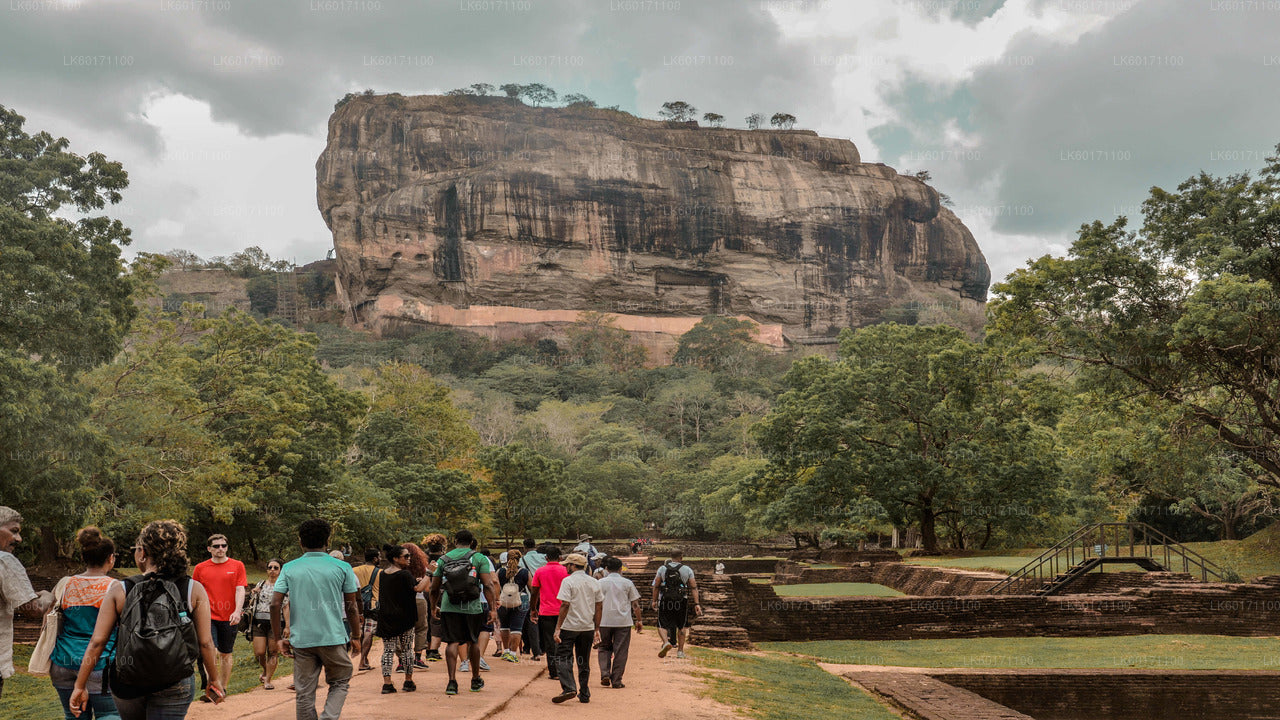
484 213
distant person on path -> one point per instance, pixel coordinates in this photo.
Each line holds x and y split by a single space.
581 603
544 605
530 562
587 550
225 581
320 589
367 577
264 643
620 612
16 593
80 598
719 567
513 605
462 575
673 587
397 614
160 622
418 562
434 544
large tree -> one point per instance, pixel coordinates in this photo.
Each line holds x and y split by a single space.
1183 310
65 306
917 419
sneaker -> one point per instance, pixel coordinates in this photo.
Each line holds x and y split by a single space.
605 682
388 688
433 656
666 648
679 654
617 686
511 657
477 684
410 686
484 666
464 666
419 665
562 697
451 688
584 698
399 668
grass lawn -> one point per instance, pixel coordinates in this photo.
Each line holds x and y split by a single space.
1175 652
778 687
31 697
990 563
846 589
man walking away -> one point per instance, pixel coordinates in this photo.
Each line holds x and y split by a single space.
544 605
16 593
581 604
587 550
621 610
367 577
225 582
320 589
462 575
672 588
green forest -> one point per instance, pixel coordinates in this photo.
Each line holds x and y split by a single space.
1137 377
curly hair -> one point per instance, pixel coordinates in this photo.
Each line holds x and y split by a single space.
165 543
417 560
513 562
435 542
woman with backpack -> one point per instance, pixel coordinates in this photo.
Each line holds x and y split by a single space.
264 645
513 605
79 598
162 619
397 614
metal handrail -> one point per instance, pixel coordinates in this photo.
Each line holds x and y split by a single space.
1137 534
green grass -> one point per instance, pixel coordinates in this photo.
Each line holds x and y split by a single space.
845 589
989 563
1177 652
32 697
777 687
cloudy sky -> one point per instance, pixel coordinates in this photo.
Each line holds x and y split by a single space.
1034 115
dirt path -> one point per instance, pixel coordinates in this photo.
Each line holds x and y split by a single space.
655 688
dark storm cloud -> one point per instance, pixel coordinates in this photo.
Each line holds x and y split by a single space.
272 67
1082 131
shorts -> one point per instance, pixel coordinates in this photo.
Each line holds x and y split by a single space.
224 635
674 613
461 627
512 619
261 628
370 626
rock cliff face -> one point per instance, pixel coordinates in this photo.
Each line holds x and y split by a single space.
488 214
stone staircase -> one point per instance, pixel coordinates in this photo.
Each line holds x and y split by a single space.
718 627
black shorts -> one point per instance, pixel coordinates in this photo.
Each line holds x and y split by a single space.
461 627
261 628
674 613
224 635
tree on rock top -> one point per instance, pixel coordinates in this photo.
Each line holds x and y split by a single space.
677 111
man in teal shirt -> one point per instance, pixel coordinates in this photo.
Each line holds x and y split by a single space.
461 612
319 587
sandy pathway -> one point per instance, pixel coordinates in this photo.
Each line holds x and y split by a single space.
655 688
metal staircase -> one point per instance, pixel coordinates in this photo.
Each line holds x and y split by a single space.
1093 546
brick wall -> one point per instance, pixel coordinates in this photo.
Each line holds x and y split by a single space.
1126 694
1222 609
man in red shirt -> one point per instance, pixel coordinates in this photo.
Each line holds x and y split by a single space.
544 606
225 582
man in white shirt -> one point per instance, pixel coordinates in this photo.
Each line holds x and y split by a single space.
581 605
16 593
621 610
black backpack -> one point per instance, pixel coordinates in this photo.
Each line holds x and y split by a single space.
673 585
156 642
458 581
366 596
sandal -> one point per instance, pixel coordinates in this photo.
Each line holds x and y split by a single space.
268 686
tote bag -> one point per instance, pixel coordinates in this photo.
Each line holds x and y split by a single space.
39 664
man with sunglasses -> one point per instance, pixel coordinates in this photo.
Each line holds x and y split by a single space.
225 581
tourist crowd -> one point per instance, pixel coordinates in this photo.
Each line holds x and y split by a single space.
132 648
